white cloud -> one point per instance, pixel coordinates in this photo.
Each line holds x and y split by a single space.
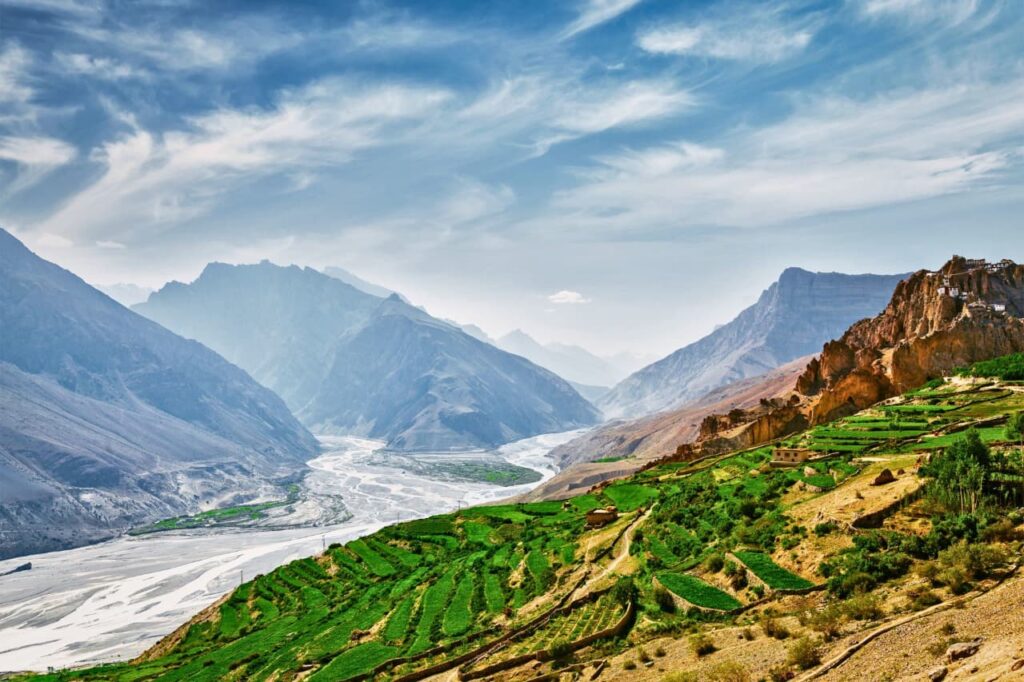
34 158
568 297
107 244
756 34
473 200
596 12
835 155
48 240
169 178
97 67
14 65
945 11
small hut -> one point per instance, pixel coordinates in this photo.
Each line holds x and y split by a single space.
601 517
782 457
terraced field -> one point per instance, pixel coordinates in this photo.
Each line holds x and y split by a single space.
773 575
422 592
698 592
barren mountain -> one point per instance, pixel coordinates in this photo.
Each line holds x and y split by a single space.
346 361
968 310
108 419
791 319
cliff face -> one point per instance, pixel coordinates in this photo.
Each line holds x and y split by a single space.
791 319
969 310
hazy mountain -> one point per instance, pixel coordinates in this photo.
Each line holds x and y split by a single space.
358 282
108 419
571 362
125 293
349 362
792 318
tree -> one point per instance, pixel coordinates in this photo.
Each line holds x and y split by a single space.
1015 428
960 472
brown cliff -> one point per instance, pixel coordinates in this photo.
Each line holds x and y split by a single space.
969 310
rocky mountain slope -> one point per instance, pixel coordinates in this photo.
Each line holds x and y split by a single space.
568 361
792 318
347 361
966 311
108 419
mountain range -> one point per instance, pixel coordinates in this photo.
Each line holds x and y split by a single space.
936 322
346 361
107 419
793 317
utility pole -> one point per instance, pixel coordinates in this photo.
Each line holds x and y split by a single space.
241 576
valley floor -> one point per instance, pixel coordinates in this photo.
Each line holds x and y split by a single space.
113 600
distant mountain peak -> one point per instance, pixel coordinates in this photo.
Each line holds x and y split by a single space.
347 361
792 318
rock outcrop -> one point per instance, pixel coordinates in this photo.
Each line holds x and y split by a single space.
967 311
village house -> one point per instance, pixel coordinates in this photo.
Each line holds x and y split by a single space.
790 456
601 517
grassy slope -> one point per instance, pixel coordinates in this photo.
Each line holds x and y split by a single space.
438 581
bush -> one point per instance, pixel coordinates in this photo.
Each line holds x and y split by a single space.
702 645
827 621
728 671
825 528
863 607
772 627
804 653
560 650
924 599
664 599
624 591
714 563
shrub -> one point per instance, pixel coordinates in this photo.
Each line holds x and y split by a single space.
925 599
624 591
714 563
773 627
863 607
659 652
727 671
827 621
747 634
804 653
702 645
629 665
664 599
825 528
560 650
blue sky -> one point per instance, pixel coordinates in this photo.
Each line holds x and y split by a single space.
623 174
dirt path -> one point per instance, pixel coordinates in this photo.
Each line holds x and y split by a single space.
625 543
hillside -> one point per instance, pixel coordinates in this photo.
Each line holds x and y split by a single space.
728 568
966 311
349 362
571 362
792 318
108 420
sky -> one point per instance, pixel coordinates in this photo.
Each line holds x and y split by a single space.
620 174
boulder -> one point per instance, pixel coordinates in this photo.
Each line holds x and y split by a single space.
884 477
810 471
960 650
937 674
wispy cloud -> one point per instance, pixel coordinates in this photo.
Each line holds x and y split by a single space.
14 66
567 297
836 154
945 11
756 33
596 12
175 176
96 67
33 158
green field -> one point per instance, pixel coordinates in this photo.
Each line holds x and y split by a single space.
698 592
775 576
630 496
